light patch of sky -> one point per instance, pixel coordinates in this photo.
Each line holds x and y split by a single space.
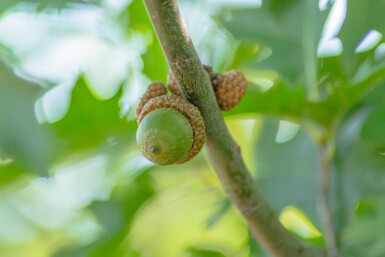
134 90
220 49
379 53
286 131
329 44
371 39
116 5
13 226
54 104
72 182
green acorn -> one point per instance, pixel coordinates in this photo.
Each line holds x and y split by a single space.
171 130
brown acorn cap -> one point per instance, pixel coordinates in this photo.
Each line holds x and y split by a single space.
190 111
229 88
155 89
173 85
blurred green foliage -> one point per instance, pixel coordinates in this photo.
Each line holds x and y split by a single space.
73 184
89 122
20 132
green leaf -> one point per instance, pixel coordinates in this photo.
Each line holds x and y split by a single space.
154 62
361 17
223 206
246 53
373 130
10 172
283 27
360 168
255 248
202 252
365 236
22 140
278 100
291 102
90 121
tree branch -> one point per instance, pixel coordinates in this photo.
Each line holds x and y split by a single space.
223 152
325 153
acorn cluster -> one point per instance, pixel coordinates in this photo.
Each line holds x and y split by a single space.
171 129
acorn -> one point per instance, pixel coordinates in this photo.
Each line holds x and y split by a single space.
171 129
229 87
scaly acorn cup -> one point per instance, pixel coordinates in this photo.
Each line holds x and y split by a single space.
229 87
155 89
171 130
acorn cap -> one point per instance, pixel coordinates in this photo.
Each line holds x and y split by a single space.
229 88
190 111
155 89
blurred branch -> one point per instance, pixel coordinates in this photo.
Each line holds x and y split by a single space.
310 51
326 151
223 152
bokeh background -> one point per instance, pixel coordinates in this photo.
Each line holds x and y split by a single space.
73 184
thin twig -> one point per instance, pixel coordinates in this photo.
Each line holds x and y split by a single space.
224 153
324 194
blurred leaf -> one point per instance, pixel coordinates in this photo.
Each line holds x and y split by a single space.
246 52
359 168
10 172
294 220
278 100
43 4
376 96
361 17
255 248
90 121
287 173
365 235
283 28
291 102
223 206
373 130
201 252
154 63
116 217
22 139
331 71
365 208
